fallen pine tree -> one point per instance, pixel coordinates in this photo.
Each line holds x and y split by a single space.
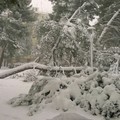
96 92
40 67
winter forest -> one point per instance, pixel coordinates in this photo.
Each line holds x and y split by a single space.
62 65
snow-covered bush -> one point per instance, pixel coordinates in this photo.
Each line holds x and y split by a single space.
97 92
102 96
104 60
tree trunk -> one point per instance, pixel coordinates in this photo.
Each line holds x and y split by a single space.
2 55
52 57
41 67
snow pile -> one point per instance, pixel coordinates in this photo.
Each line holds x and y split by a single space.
96 92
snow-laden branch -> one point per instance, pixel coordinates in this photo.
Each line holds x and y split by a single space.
107 26
75 13
67 23
38 66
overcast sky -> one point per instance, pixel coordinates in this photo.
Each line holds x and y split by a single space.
42 5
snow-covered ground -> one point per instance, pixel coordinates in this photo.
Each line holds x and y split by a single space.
10 88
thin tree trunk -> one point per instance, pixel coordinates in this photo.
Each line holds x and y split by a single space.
52 57
108 24
2 56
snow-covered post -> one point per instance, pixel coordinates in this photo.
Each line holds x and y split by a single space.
91 45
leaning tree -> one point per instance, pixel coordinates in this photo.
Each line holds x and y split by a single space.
67 38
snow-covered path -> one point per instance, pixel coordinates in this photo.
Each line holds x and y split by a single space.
10 88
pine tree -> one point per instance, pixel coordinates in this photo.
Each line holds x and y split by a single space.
14 21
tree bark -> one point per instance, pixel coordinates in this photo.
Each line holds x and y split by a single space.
53 57
2 55
38 66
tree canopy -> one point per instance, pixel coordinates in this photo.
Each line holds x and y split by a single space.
72 36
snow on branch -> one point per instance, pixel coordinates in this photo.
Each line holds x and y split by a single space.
74 14
38 66
107 26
